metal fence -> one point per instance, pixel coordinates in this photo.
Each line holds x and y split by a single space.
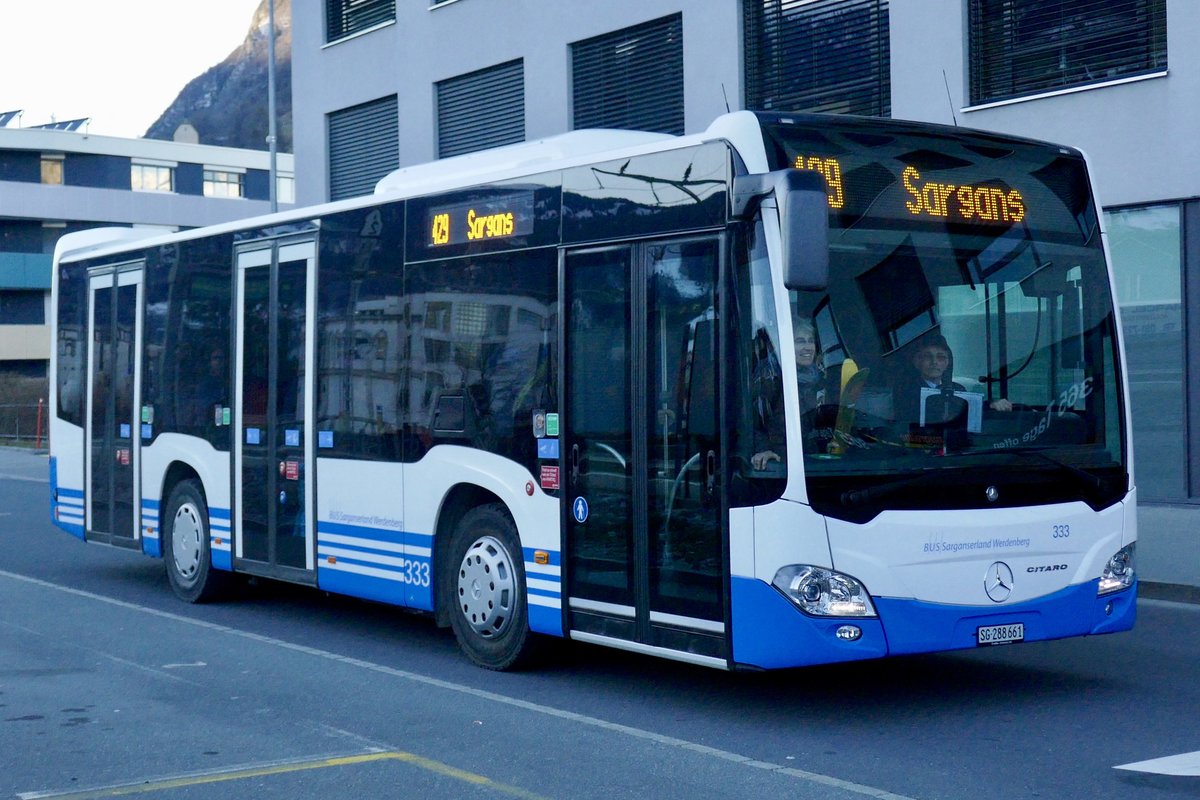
23 423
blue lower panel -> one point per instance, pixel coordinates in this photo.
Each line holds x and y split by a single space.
543 619
222 559
368 587
770 632
916 627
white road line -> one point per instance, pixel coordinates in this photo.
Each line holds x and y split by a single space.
1185 764
537 708
7 477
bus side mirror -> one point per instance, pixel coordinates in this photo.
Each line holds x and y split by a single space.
803 221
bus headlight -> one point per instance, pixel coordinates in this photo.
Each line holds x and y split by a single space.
823 592
1119 572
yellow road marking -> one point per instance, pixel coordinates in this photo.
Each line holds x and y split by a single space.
165 784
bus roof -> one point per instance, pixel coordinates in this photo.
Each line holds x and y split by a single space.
576 148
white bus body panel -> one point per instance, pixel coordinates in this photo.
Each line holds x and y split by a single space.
918 555
210 465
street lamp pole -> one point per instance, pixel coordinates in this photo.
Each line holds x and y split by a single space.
271 102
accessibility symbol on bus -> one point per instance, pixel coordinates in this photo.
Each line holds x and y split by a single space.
580 509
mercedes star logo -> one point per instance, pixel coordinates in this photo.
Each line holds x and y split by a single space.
992 494
998 582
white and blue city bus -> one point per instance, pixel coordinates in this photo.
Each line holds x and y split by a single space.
553 390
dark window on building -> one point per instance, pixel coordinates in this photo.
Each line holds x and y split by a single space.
1023 47
22 307
830 56
364 146
632 78
347 17
481 110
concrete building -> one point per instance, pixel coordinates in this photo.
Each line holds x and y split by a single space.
380 84
57 181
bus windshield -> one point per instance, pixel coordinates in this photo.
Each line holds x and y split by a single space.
967 331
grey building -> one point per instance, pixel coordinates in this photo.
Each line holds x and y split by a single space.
56 181
380 84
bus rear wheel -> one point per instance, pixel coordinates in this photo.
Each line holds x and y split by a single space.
186 548
486 582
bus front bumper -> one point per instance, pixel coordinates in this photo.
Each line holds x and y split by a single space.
769 632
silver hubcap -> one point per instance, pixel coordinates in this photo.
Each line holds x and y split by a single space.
186 530
487 590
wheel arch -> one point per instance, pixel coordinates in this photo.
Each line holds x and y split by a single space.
177 472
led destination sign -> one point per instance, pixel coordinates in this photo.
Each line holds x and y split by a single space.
483 220
954 202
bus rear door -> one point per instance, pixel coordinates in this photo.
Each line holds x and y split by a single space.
114 386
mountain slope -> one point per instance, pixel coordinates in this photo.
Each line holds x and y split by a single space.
227 105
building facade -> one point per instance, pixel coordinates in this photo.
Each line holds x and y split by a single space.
54 182
381 84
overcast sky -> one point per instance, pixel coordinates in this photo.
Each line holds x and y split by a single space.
120 62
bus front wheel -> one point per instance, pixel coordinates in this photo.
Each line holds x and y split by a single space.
487 588
186 548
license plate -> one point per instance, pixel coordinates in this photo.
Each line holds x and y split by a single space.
1000 634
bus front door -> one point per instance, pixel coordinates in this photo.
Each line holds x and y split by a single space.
114 372
645 555
274 373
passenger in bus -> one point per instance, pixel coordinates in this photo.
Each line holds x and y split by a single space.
213 388
809 383
809 376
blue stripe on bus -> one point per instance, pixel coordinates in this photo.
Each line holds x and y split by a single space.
66 505
150 504
220 528
362 532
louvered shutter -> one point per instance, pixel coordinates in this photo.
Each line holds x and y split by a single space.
1023 47
347 17
481 110
364 145
818 55
632 78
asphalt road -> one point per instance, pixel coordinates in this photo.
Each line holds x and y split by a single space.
111 687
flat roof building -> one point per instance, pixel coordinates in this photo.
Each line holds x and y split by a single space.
54 181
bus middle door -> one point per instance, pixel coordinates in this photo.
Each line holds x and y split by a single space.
274 374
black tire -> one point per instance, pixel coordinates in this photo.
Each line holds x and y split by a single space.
485 585
186 549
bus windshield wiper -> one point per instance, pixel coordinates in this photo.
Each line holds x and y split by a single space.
857 497
1086 478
